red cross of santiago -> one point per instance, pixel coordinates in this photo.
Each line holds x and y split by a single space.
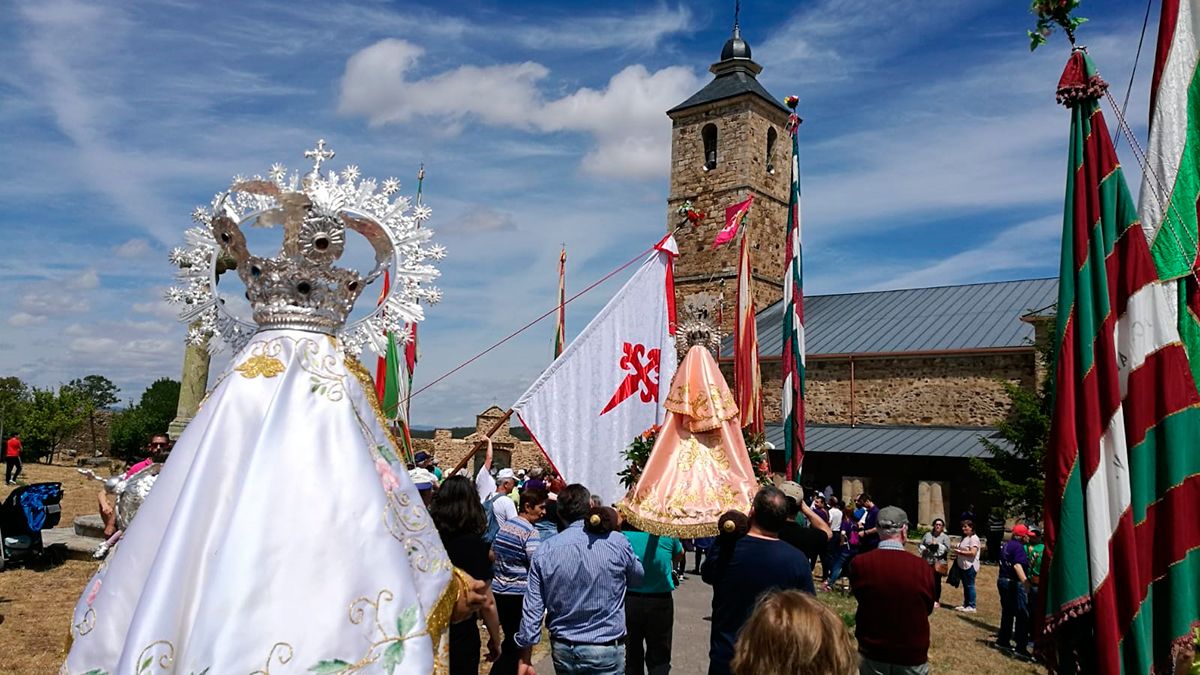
643 378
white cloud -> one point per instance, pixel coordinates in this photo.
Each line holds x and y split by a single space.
626 119
88 279
157 308
53 298
375 85
25 319
134 248
94 345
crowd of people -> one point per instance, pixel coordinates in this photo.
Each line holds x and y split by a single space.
606 598
553 554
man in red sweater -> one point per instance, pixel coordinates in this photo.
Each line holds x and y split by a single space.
894 589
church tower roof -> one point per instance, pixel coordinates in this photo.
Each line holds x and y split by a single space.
736 74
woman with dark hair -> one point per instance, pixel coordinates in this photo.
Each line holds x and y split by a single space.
460 522
935 549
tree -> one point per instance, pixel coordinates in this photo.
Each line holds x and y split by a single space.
49 418
132 428
97 393
1014 476
14 401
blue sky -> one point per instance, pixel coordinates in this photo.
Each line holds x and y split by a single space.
933 152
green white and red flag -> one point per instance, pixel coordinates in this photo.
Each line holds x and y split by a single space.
1171 180
560 328
393 378
793 318
734 217
1119 580
746 373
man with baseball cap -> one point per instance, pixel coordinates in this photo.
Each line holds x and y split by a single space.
894 589
814 538
1013 584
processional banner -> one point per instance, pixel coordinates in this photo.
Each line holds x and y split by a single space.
609 383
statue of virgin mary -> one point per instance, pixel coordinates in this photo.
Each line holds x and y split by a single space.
283 535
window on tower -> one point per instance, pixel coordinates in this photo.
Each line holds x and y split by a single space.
709 135
771 136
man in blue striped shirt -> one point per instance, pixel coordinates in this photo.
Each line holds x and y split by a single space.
579 579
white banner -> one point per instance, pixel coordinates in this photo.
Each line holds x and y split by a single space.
608 384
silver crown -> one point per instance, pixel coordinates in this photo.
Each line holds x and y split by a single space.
300 287
700 328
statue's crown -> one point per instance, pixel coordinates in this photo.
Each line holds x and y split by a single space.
300 287
700 325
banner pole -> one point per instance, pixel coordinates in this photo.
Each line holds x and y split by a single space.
479 445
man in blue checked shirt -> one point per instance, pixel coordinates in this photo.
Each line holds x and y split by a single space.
579 579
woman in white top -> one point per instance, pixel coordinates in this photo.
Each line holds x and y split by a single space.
968 564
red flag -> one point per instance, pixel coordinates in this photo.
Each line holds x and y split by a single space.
734 215
381 363
747 376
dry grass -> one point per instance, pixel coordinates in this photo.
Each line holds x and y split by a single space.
959 643
36 603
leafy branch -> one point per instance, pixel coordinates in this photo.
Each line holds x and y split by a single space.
1053 14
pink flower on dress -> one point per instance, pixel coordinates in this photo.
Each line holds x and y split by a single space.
386 478
91 596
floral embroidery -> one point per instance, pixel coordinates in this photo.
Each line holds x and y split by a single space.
260 365
386 478
322 370
264 360
387 650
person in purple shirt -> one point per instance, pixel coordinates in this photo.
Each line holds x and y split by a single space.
579 578
868 534
1012 584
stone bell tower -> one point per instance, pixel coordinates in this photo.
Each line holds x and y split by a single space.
729 140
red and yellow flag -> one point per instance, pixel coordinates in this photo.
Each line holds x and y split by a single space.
747 375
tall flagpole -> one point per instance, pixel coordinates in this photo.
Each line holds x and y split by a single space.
560 330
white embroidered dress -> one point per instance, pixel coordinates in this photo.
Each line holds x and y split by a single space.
282 536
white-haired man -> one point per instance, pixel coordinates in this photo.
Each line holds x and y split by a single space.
894 589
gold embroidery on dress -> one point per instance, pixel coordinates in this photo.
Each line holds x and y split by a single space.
387 649
259 365
148 658
285 655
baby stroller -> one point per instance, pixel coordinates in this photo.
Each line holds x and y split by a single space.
28 510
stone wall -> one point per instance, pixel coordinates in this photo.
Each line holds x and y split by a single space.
508 450
742 124
949 390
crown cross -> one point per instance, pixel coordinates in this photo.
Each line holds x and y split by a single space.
319 154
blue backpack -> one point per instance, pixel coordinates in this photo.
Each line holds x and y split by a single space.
493 523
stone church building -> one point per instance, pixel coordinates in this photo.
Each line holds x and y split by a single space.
901 384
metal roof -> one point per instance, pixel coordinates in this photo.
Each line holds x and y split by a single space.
944 318
912 441
726 86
